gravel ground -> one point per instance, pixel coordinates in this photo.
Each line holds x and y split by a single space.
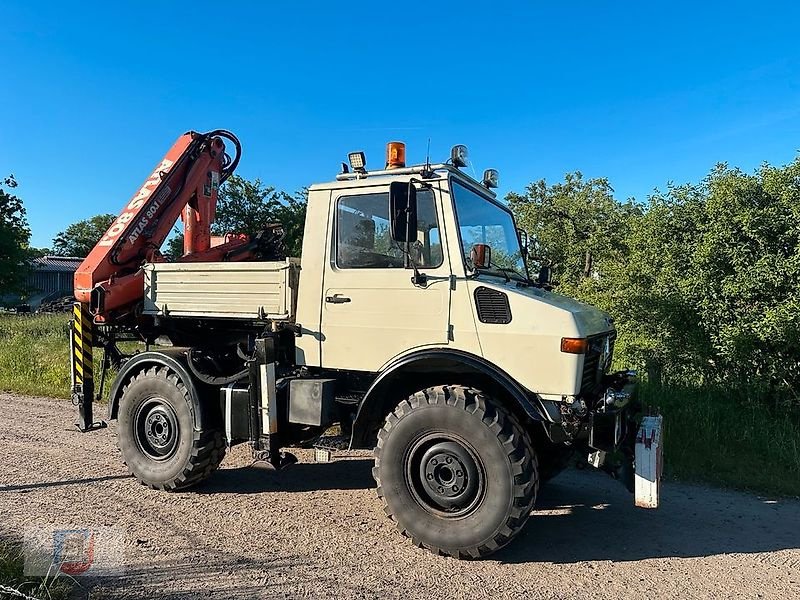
317 530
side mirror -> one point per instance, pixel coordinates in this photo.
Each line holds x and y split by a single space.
403 211
481 256
523 242
544 275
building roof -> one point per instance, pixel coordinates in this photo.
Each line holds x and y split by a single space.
63 264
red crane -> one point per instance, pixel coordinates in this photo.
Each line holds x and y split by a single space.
184 183
109 284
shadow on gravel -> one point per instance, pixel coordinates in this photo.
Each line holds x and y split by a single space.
588 516
351 474
26 487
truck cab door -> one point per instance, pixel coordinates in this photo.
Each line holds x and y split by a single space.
371 310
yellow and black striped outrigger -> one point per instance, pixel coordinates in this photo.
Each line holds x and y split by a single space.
81 344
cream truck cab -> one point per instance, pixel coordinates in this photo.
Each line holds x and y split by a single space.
411 322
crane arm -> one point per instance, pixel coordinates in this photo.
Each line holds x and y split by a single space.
185 183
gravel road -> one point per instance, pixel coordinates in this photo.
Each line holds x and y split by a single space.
317 530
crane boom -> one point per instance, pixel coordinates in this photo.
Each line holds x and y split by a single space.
109 283
184 184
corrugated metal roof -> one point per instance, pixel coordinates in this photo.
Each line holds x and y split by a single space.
64 264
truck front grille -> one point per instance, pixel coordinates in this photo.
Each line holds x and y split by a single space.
595 362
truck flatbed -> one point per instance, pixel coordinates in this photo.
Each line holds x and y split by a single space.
222 290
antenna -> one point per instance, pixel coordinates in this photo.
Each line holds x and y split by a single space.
427 169
428 154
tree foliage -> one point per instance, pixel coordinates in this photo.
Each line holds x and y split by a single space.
247 206
702 279
14 238
574 227
79 238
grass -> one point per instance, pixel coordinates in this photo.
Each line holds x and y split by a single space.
721 437
711 435
11 575
34 355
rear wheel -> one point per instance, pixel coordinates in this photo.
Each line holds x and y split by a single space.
157 433
456 471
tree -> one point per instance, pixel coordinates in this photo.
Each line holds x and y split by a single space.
173 249
247 206
79 238
575 227
14 238
702 279
744 272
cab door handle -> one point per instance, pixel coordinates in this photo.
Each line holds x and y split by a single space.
337 299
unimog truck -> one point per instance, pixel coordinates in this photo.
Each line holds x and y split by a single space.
411 322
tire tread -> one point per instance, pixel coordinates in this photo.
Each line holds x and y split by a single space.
509 432
208 446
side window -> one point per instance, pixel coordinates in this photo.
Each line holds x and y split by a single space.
363 238
427 250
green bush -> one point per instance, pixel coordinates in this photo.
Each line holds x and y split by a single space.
702 279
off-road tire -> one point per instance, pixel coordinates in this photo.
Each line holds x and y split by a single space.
196 453
491 436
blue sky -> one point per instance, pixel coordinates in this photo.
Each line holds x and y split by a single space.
640 92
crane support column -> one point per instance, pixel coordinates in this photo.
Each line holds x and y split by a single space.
81 341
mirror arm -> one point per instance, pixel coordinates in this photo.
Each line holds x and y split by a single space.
418 278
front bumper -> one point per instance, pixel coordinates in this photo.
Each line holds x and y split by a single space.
613 419
623 443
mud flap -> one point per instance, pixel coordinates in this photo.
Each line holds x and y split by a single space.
649 452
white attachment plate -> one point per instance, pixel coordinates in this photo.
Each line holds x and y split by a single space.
649 461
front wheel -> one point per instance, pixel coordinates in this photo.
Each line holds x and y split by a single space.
456 471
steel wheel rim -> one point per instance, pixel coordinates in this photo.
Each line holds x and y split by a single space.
445 475
157 432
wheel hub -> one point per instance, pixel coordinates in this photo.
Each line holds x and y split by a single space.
157 429
449 478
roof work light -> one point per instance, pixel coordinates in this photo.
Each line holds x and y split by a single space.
395 155
491 178
358 161
458 155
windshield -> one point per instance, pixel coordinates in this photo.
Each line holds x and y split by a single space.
481 221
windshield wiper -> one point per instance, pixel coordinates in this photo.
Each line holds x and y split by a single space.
509 272
505 272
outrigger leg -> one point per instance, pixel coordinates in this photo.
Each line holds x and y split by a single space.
82 370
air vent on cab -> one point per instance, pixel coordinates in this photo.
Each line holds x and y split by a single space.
492 306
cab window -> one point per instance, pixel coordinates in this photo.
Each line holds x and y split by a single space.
363 238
